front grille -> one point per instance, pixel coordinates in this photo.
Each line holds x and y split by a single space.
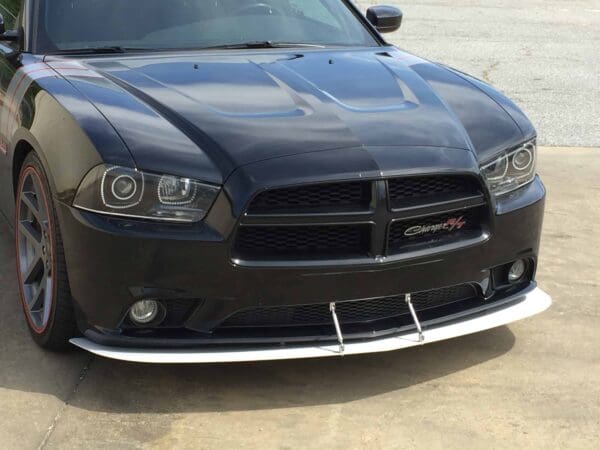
303 241
326 198
417 191
294 223
435 230
349 312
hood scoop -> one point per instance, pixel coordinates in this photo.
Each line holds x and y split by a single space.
229 88
354 82
243 107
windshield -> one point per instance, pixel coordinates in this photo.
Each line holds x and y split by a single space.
191 24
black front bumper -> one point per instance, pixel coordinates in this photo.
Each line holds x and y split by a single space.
114 262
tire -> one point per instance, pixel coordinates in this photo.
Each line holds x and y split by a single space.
41 268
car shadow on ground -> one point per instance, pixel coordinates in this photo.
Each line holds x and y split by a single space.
126 387
97 384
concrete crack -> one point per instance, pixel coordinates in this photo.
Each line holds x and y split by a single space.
52 426
488 71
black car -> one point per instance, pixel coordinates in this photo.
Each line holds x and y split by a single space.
230 180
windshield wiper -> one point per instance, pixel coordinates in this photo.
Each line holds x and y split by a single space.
262 44
242 45
99 50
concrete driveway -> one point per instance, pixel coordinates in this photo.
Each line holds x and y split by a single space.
533 384
544 54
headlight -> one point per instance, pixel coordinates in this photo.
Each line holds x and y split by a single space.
511 170
121 191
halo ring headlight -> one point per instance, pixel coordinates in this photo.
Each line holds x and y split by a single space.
522 165
128 192
502 164
511 169
121 185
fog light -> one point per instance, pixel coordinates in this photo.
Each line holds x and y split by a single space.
144 311
517 270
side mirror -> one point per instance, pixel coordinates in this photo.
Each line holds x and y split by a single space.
385 18
12 36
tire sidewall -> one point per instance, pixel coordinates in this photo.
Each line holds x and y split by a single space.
32 166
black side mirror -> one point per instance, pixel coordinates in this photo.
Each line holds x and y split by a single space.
385 18
12 36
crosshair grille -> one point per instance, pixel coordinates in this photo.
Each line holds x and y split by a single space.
294 223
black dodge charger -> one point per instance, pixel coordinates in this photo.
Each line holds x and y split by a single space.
234 180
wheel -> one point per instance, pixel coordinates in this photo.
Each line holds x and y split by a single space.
41 268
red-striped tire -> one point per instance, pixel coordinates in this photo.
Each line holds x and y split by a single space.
41 268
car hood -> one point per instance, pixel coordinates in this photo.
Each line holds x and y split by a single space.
215 112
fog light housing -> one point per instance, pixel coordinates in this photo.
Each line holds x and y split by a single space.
517 271
144 312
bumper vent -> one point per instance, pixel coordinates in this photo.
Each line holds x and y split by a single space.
303 241
350 312
323 198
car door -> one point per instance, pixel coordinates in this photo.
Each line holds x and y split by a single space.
9 64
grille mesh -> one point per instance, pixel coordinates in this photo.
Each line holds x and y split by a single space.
426 230
282 239
350 312
334 197
409 191
303 241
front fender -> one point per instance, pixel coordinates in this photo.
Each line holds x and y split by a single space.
507 104
67 132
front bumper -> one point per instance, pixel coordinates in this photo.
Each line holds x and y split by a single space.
515 308
114 262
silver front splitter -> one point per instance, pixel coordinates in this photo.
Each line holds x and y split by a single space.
525 305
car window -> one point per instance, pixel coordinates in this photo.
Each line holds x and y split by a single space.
10 11
181 24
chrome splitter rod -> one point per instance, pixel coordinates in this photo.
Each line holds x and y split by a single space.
338 329
413 313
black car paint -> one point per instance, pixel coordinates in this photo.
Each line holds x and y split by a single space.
133 108
253 120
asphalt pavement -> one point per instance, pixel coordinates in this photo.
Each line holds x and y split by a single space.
533 384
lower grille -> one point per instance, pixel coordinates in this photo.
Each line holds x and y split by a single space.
314 241
349 312
435 229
